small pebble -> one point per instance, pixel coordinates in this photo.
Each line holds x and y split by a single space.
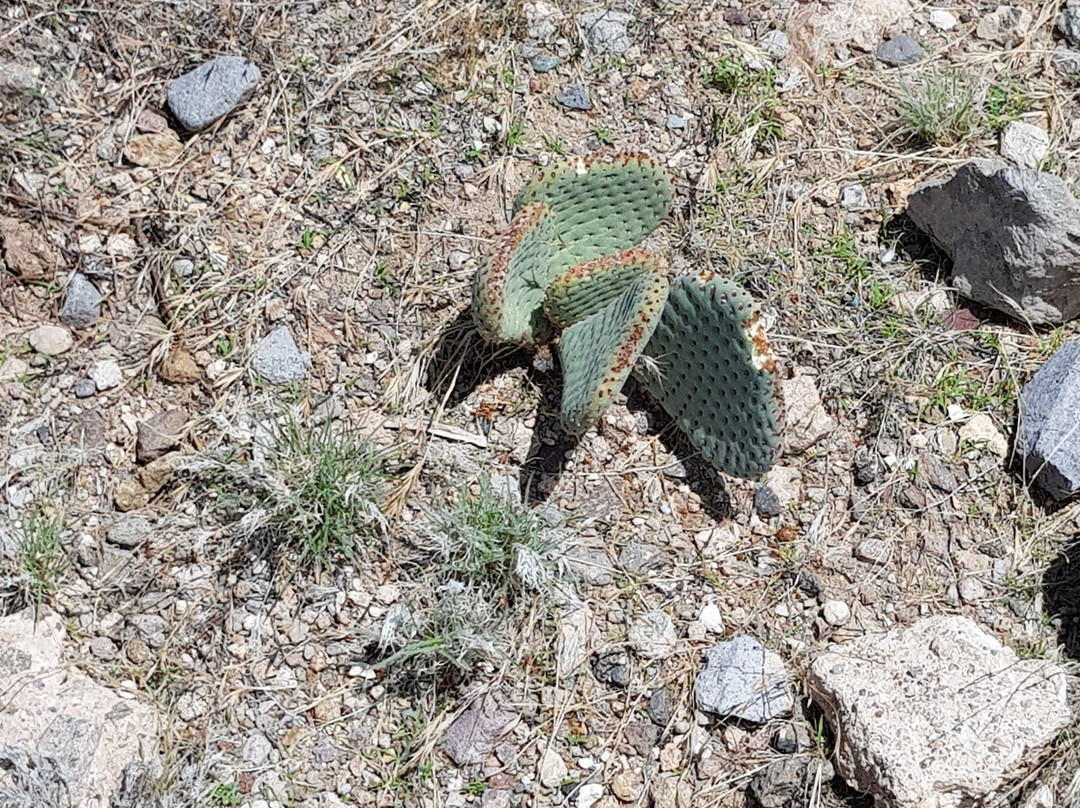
942 19
836 612
106 375
84 388
574 97
51 340
900 50
766 502
544 64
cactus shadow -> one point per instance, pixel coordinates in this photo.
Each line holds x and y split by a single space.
462 360
703 479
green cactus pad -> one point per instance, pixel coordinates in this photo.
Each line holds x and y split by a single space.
508 290
598 353
708 364
601 208
586 288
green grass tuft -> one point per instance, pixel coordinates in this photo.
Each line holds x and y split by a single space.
40 551
316 491
939 108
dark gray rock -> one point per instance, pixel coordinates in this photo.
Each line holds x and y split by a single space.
786 783
660 707
612 668
84 388
574 97
545 64
1048 423
935 472
1012 234
900 50
743 680
766 503
82 304
201 96
278 360
474 733
1066 62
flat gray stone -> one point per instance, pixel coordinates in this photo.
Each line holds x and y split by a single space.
1012 234
201 96
606 30
277 359
84 388
900 50
545 64
129 531
937 714
574 97
82 304
1048 426
743 680
474 733
776 44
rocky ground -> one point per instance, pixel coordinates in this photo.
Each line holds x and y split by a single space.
190 323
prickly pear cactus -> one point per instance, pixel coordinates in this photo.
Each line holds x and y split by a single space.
709 365
598 353
601 208
508 290
586 288
572 214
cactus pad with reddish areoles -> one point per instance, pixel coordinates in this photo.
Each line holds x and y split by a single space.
709 365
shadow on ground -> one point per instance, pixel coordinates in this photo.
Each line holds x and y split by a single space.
1061 593
464 360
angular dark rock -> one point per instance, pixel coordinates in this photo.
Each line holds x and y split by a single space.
900 50
660 707
574 97
82 304
1048 427
766 503
1012 234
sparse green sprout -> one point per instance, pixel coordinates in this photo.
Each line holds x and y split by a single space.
729 75
938 108
41 552
604 136
1005 103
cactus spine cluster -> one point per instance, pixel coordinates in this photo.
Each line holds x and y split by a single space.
571 263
